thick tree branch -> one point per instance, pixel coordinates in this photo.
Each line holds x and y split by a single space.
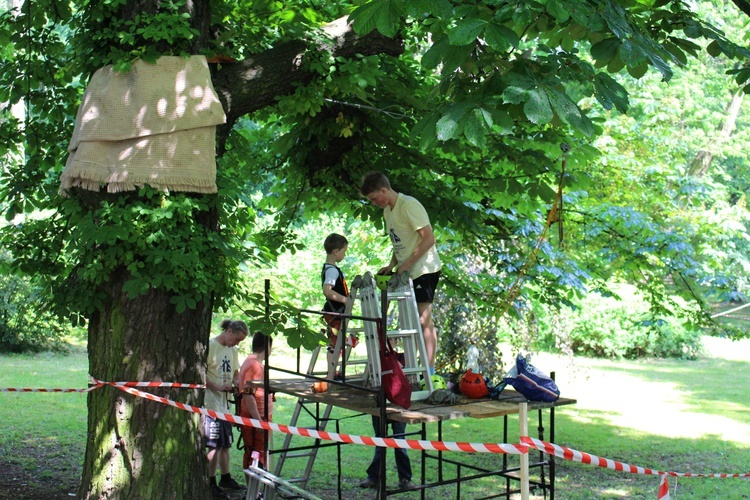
743 5
250 85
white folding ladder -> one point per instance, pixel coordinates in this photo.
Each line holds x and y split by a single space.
408 330
329 371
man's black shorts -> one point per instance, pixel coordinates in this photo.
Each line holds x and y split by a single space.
425 286
218 432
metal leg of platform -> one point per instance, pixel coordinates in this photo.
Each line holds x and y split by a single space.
338 461
551 458
466 472
440 452
542 457
423 435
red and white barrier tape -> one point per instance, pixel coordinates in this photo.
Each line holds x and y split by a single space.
411 444
95 384
29 389
586 458
171 385
515 449
663 493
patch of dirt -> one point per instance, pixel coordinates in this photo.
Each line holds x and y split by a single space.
40 474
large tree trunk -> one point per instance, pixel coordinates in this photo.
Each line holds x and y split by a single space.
138 448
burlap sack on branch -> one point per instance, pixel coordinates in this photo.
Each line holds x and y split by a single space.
154 124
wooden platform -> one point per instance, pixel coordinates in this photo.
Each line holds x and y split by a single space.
362 401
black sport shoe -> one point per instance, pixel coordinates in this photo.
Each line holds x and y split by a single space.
406 484
230 484
217 492
369 483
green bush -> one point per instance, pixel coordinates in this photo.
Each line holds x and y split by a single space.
459 323
617 327
24 325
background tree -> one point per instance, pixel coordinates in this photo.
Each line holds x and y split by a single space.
465 105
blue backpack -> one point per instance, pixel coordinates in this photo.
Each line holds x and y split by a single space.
533 384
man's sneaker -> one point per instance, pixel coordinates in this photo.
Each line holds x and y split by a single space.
369 483
406 484
217 492
230 484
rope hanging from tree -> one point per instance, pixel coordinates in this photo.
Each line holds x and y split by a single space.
555 214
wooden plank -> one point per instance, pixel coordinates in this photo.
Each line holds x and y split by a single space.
523 430
357 399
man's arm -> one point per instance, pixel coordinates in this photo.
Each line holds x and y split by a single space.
427 240
217 387
387 269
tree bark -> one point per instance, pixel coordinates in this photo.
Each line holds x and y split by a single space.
743 5
249 85
136 448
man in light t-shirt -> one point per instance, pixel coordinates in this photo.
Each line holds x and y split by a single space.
221 375
414 250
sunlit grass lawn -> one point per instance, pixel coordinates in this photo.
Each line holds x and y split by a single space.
671 415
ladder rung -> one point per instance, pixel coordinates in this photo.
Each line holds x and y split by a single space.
299 455
353 362
401 333
296 480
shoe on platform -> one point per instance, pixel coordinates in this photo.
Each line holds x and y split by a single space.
231 484
406 484
217 492
369 483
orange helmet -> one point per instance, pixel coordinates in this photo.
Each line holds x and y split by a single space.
472 385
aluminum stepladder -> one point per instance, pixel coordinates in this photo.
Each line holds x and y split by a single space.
341 364
408 330
260 480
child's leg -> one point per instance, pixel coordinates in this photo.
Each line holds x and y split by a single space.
332 339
